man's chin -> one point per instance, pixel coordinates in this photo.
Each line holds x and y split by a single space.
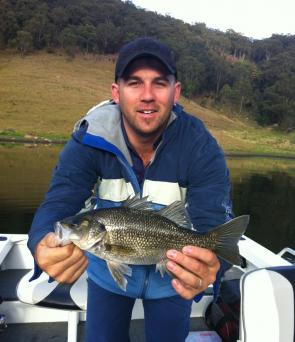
149 132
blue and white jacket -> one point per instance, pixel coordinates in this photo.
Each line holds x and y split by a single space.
95 164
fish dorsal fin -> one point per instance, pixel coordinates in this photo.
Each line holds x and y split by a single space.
177 213
138 203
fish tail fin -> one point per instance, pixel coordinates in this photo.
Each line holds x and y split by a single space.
229 235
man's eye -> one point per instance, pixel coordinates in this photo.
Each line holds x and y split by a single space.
161 84
133 84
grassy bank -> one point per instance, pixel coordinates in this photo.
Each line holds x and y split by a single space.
43 95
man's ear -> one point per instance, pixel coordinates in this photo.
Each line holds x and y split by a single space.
177 92
115 92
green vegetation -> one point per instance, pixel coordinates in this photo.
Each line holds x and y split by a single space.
254 78
43 95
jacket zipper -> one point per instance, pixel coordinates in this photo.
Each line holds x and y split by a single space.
147 273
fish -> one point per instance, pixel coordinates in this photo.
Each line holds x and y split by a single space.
136 234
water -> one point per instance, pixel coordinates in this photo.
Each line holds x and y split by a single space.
263 188
24 176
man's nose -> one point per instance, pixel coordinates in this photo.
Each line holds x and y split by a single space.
147 94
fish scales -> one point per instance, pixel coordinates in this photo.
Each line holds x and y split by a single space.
143 234
134 234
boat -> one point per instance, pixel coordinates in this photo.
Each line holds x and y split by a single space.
48 311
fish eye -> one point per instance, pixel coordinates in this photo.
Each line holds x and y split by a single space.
101 227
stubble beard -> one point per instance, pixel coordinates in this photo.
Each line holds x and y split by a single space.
146 134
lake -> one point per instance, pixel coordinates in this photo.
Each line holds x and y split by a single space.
261 187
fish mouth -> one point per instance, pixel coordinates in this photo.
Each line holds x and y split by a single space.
64 234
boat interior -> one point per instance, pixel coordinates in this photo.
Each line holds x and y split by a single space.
47 311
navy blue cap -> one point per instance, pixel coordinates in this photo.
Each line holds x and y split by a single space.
144 47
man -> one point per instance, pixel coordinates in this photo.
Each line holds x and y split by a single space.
141 142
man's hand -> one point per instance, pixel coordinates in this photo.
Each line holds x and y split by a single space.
194 268
64 264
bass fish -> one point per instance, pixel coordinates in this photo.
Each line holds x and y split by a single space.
138 235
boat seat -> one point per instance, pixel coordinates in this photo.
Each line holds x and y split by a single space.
53 294
268 305
70 297
8 283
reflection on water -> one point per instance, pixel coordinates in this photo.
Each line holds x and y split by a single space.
24 176
263 188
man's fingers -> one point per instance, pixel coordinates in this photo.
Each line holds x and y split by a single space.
203 254
63 263
197 260
46 256
187 277
77 257
194 269
69 275
192 264
79 272
73 272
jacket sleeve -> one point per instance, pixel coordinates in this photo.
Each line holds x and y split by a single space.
208 194
72 183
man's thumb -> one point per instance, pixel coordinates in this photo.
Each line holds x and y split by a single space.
50 240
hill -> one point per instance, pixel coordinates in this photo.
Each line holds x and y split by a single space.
45 94
252 77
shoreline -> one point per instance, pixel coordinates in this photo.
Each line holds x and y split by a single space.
258 155
42 141
228 154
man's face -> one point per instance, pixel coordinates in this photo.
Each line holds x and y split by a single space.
146 96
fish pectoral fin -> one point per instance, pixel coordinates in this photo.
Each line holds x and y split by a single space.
118 271
161 267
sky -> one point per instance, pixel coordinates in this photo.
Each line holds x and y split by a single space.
256 19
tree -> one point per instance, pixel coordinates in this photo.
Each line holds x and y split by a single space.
240 45
277 87
24 42
59 17
37 25
107 36
218 73
86 37
278 104
68 40
240 91
8 22
191 74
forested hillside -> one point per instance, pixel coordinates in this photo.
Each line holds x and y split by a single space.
249 77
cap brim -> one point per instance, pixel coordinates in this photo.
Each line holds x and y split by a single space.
131 58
